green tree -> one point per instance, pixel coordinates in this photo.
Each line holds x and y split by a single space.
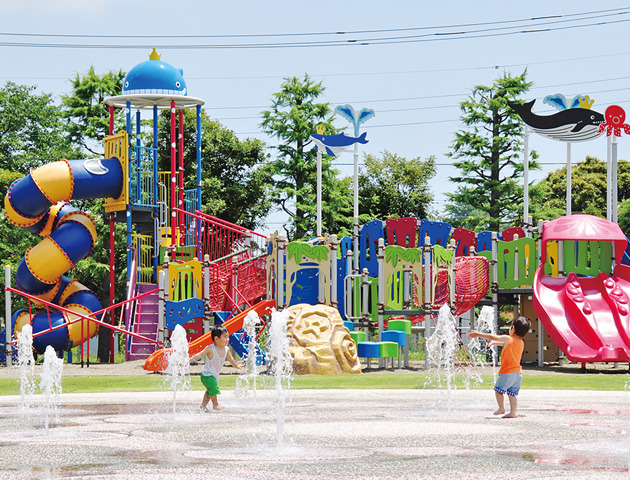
236 178
488 193
588 191
394 187
31 129
86 113
292 118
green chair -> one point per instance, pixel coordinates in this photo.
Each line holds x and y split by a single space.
358 336
388 350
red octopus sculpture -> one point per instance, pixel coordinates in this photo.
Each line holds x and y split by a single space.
615 116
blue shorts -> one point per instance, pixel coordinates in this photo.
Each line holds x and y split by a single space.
509 383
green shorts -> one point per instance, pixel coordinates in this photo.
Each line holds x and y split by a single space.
212 387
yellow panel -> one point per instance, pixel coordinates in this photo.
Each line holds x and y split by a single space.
54 180
52 215
174 269
46 261
552 257
76 333
72 287
24 318
15 218
117 146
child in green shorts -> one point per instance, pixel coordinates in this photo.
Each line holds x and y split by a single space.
215 355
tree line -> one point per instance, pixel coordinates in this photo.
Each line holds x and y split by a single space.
244 180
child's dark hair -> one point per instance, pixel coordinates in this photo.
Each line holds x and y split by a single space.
521 326
217 331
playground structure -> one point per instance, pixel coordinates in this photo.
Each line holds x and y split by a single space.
185 267
402 284
163 221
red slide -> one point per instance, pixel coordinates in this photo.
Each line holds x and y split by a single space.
587 317
158 361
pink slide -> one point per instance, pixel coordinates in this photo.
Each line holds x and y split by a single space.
587 317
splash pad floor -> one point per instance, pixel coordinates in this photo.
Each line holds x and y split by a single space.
328 434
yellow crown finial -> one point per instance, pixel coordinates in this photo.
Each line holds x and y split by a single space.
320 129
586 102
154 55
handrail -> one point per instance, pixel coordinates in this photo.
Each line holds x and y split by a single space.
82 316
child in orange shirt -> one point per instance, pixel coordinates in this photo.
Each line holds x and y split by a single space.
510 374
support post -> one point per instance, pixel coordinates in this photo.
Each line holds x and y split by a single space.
333 270
428 285
381 293
8 314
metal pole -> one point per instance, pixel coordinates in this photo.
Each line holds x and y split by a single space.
319 192
428 285
613 177
355 236
568 178
525 174
7 313
609 179
381 293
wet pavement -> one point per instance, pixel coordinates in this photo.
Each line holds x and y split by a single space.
328 434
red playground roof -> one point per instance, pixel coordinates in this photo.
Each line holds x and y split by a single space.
584 227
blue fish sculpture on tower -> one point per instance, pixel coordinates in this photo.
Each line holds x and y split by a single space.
154 77
335 144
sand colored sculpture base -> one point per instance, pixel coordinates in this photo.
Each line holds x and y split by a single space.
319 342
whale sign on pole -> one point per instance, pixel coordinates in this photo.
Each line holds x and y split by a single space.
574 121
332 145
356 119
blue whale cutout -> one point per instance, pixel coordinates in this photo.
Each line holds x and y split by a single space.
335 144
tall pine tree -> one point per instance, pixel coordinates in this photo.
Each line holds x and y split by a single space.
487 152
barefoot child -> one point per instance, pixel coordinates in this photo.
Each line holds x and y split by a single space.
510 374
215 354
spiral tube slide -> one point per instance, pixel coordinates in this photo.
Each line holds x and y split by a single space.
37 203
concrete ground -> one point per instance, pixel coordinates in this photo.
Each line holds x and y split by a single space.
318 434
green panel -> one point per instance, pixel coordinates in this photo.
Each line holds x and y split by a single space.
488 255
588 257
506 253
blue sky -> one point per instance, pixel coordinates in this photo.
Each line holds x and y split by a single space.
413 86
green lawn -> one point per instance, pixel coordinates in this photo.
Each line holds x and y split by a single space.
147 383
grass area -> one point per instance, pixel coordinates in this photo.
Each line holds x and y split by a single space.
149 383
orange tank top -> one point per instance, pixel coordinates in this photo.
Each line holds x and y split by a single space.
511 356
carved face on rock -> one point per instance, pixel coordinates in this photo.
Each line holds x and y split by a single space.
319 342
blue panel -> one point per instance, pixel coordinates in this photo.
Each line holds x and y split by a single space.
626 255
74 239
180 313
306 287
438 232
58 339
86 298
368 246
26 198
27 282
